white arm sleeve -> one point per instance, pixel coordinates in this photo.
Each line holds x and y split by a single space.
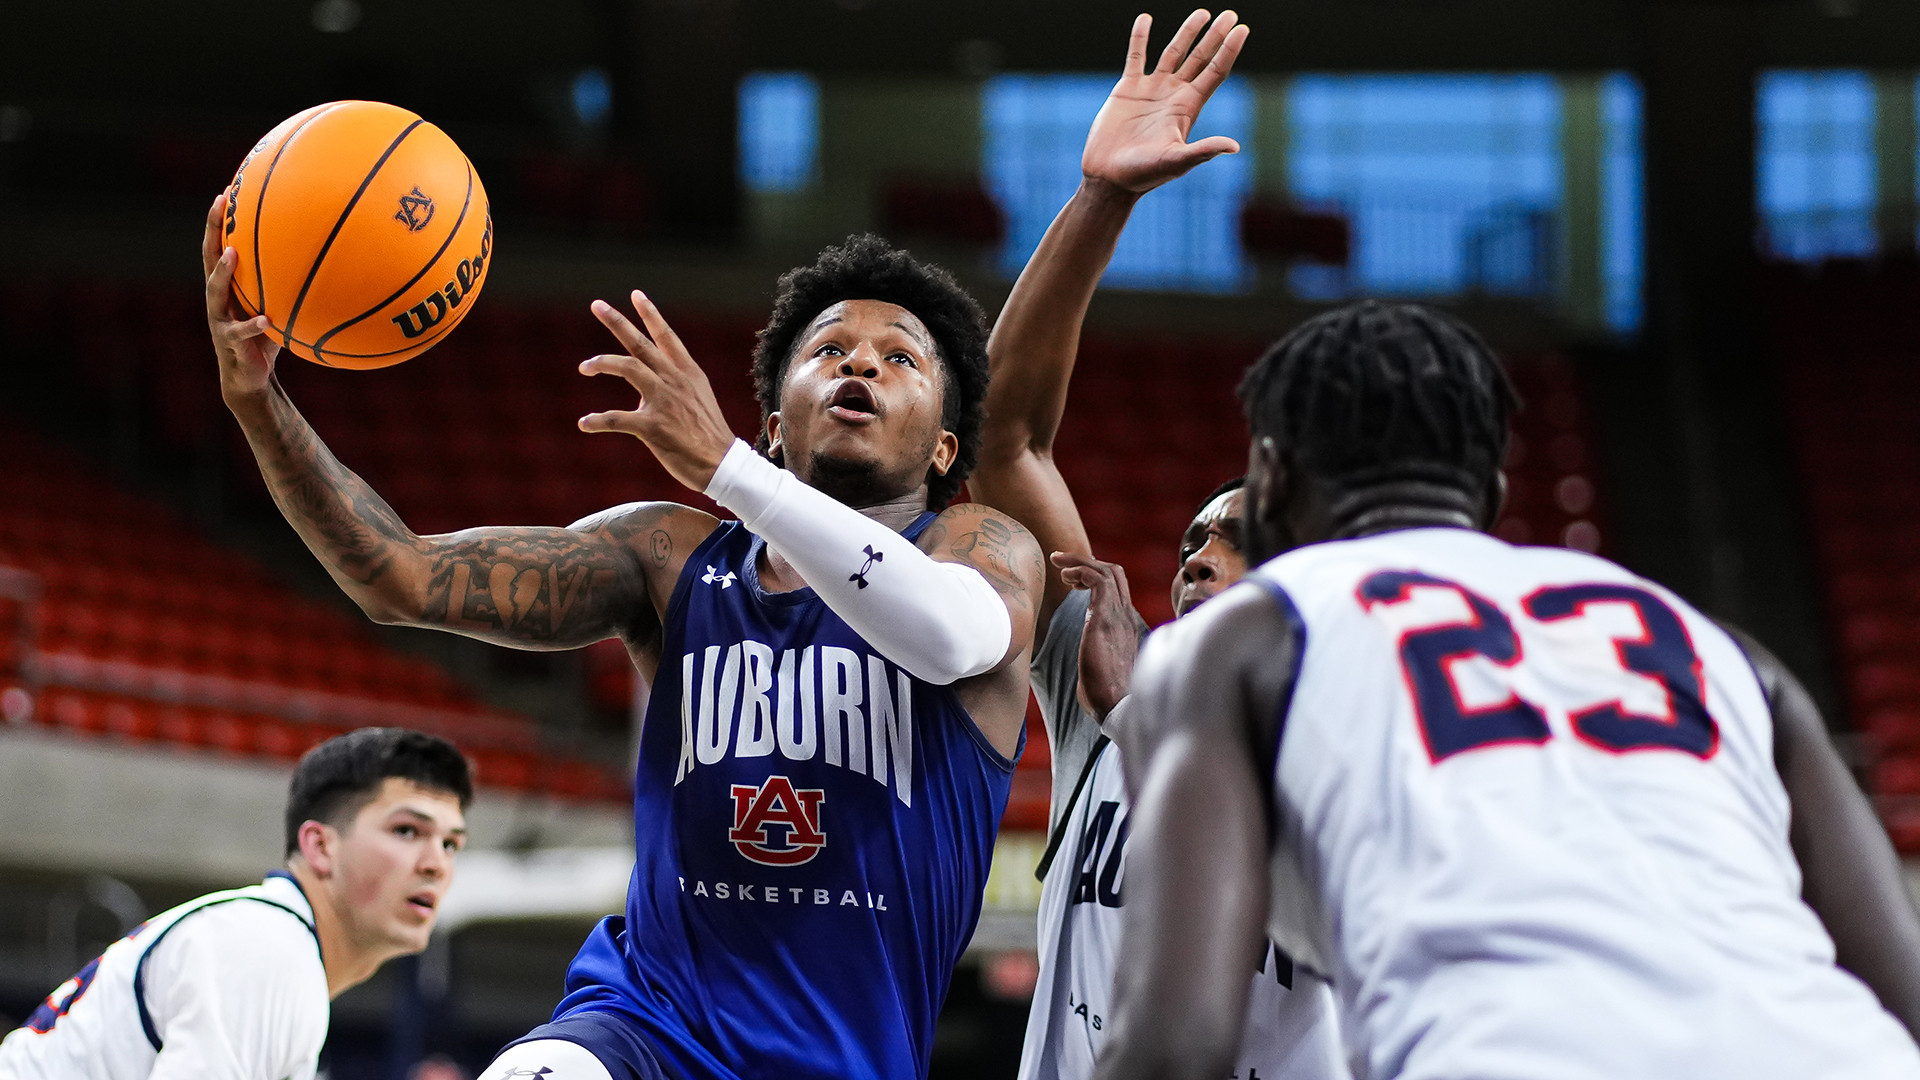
237 992
941 621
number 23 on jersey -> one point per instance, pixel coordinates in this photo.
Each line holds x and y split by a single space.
1647 639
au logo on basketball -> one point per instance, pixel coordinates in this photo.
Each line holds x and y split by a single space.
776 824
415 210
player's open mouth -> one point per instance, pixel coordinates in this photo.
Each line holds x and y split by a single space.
422 903
853 402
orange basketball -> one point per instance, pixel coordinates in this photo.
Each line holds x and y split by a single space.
362 231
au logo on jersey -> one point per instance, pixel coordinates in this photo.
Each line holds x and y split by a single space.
777 805
415 210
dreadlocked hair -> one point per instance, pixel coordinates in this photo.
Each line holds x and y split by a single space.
868 268
1374 393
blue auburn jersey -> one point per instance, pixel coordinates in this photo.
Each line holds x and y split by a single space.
813 829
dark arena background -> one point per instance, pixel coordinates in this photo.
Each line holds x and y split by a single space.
1689 229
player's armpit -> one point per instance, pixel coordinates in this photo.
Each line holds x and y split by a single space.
545 587
1196 873
1850 875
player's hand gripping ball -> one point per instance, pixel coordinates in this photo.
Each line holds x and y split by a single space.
362 234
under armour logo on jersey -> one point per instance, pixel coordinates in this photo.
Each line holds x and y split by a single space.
725 580
415 210
873 556
777 804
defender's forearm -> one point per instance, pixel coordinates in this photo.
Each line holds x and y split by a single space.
348 527
1037 336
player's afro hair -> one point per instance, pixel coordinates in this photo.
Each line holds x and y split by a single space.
338 777
868 268
1374 393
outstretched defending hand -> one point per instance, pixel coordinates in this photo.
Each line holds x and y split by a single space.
678 417
1112 635
245 350
1139 139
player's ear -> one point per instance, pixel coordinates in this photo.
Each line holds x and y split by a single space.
945 450
317 842
1496 501
1267 482
772 438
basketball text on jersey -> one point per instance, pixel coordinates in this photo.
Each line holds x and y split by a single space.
829 702
813 833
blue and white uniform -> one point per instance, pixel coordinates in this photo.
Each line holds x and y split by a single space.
1530 824
229 986
814 828
1290 1032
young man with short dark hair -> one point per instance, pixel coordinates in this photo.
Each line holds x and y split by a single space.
235 985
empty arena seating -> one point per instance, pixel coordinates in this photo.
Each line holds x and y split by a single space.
1847 339
482 431
122 621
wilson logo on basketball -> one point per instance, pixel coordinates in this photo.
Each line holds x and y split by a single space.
427 314
776 804
415 210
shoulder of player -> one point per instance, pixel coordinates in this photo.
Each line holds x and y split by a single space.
264 916
1228 645
969 529
636 519
247 941
659 533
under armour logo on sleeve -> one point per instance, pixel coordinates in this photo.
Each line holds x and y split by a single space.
873 556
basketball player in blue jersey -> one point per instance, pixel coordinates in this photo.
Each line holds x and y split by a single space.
1536 817
839 678
1087 630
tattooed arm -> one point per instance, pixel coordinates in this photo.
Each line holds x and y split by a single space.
530 588
1008 557
1004 552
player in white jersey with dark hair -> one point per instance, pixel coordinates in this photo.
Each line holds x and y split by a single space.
1087 628
236 985
1534 816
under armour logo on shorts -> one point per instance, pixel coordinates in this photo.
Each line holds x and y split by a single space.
873 556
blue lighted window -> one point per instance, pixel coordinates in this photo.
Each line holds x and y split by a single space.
1622 227
1183 236
1451 182
779 130
1817 175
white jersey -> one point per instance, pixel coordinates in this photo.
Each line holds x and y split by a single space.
1291 1033
226 987
1531 826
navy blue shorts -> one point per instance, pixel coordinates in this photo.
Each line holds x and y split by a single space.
617 1043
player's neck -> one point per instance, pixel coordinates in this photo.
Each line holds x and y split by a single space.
1401 505
347 966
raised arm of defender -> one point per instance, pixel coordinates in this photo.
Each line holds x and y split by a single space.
532 588
1137 142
